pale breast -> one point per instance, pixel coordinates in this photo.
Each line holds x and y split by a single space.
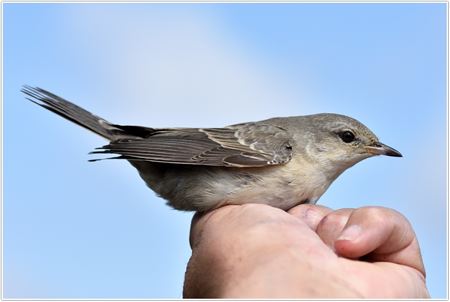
283 186
197 188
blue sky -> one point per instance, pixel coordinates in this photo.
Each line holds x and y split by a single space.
74 229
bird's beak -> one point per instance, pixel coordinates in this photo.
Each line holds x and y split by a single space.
382 149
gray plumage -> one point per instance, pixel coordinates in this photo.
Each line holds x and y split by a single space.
280 161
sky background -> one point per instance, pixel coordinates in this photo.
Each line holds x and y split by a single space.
74 229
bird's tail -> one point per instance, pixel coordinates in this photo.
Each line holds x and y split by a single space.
71 112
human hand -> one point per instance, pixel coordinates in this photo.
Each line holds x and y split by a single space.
257 251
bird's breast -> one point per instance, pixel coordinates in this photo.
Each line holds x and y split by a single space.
283 186
196 188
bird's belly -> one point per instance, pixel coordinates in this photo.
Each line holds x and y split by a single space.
277 192
205 188
279 197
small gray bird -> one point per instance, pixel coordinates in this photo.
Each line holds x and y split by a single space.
281 162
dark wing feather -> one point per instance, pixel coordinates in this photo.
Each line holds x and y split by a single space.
245 145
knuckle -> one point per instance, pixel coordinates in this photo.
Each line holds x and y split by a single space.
338 217
382 210
376 213
303 209
382 214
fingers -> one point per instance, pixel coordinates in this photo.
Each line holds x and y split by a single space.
382 234
331 226
327 223
310 214
378 234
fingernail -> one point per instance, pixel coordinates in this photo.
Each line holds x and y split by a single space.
350 233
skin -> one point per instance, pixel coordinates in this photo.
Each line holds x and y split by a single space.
257 251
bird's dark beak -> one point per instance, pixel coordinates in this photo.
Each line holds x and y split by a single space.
382 149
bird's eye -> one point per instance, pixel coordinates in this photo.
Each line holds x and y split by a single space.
347 136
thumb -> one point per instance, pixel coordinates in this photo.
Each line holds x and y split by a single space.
380 234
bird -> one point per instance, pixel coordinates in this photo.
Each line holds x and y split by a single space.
281 161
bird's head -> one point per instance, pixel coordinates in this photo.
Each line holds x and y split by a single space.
341 141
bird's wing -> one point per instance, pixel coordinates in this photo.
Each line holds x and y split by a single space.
244 145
